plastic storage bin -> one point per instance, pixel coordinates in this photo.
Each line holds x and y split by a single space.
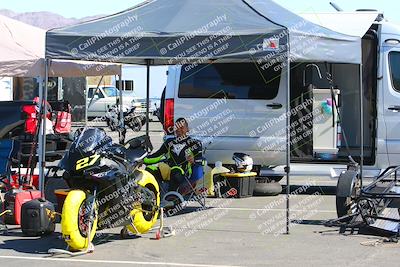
243 183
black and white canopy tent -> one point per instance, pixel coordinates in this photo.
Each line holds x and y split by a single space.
169 32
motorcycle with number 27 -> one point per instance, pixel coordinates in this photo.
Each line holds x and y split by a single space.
108 188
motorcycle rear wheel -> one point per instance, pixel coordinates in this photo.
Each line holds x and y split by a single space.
73 223
144 221
136 125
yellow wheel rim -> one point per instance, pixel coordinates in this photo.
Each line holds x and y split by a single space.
143 221
71 223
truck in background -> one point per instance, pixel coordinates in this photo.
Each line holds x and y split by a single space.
99 100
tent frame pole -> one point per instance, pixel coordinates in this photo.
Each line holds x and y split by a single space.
39 138
287 169
42 130
361 125
86 102
121 109
148 62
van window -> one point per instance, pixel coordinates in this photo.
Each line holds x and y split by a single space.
232 81
394 61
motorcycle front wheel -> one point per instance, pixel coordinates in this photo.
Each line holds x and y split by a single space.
75 221
111 125
143 221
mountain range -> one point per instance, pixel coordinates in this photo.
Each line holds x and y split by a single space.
43 19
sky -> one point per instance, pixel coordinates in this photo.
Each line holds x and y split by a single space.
82 8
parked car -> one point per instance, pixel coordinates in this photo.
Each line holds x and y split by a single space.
19 122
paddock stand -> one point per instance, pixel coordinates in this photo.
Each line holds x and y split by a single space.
161 231
56 251
164 231
89 249
375 207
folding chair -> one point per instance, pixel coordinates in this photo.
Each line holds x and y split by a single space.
192 189
197 190
8 152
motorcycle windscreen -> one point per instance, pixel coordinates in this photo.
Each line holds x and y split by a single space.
88 142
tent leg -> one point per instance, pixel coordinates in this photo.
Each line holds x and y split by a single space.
287 169
361 125
86 103
121 110
42 129
40 134
148 97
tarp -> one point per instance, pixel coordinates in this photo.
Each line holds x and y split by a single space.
351 23
178 32
22 54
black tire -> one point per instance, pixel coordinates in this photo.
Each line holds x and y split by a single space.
110 125
344 205
341 207
173 199
265 188
124 233
136 125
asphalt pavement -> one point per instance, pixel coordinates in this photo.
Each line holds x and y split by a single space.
228 232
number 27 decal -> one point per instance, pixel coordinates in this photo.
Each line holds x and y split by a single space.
86 162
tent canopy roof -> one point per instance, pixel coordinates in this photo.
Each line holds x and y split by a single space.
351 23
22 50
191 31
170 17
310 41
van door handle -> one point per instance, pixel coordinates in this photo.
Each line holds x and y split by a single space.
274 106
394 108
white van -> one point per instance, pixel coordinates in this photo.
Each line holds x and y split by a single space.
240 107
